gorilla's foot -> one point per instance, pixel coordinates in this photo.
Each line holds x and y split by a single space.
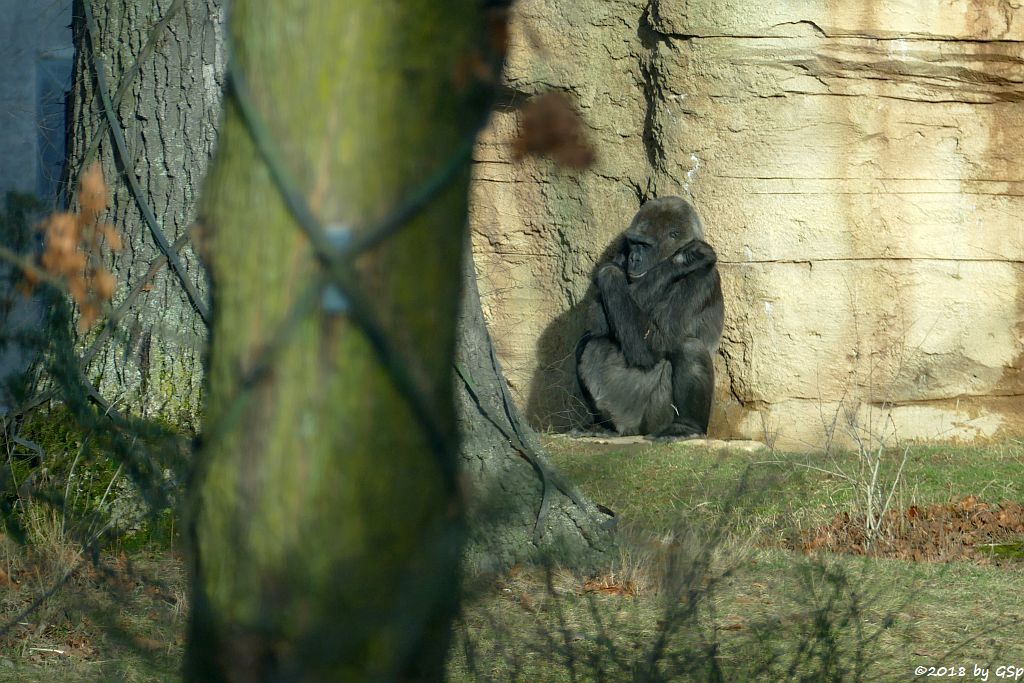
592 431
678 431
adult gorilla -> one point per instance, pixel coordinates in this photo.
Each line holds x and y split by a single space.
645 361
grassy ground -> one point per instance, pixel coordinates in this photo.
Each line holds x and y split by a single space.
120 620
90 589
704 588
653 485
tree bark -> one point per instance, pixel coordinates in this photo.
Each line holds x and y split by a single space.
520 508
327 532
161 67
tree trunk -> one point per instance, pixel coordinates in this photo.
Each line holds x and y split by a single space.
521 508
159 64
327 527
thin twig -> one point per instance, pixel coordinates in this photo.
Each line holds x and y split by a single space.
26 264
834 473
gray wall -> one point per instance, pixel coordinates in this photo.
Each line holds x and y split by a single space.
35 68
35 72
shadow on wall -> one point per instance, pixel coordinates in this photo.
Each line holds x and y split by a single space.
555 402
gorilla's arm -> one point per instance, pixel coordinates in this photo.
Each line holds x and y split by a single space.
683 293
629 324
624 309
695 256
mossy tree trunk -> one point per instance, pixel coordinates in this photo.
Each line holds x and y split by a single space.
327 534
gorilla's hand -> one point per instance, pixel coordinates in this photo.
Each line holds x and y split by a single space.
694 256
609 275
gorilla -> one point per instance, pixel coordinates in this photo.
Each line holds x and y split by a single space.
645 361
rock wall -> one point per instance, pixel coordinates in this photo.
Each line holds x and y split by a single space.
858 169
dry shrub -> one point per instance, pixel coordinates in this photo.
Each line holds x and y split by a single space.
941 532
73 249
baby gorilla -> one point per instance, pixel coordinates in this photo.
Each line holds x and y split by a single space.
645 360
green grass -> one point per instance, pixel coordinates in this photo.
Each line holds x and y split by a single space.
653 485
877 620
703 534
706 588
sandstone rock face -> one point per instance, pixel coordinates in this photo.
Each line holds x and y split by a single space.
858 167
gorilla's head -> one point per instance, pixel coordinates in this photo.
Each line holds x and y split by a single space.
660 228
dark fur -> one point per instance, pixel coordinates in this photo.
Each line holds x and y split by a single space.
645 361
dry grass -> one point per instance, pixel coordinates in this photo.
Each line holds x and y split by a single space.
107 618
73 605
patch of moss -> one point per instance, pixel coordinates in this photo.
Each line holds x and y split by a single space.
55 431
1005 551
80 477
